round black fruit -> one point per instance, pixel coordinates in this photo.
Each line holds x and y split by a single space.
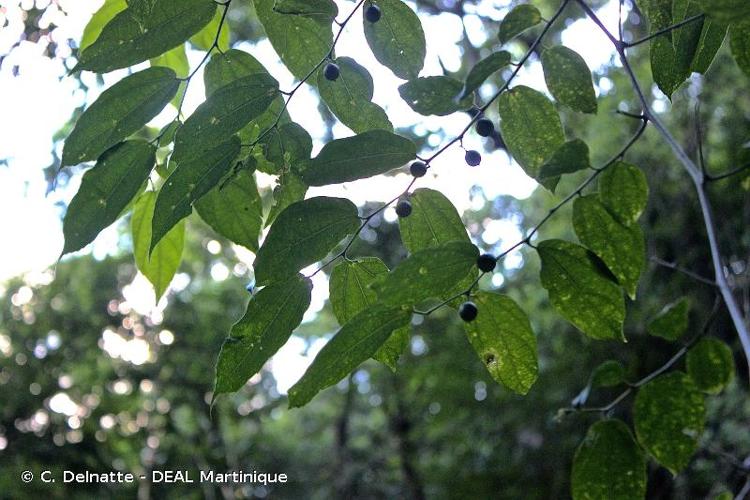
468 311
485 127
403 208
418 169
372 13
473 158
486 263
332 72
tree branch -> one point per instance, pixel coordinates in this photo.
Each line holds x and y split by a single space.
696 175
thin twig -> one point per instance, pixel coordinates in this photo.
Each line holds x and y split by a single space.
664 31
718 177
686 272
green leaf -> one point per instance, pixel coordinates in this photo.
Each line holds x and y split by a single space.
350 294
125 41
572 156
502 337
669 414
160 267
224 113
307 7
353 344
290 189
740 44
672 322
711 39
101 17
579 290
390 352
710 363
484 69
271 317
690 48
106 190
609 464
303 234
434 95
433 222
608 374
224 68
726 10
349 286
349 97
121 110
531 129
518 20
427 274
311 41
188 182
622 248
204 39
175 59
397 40
569 79
234 210
624 191
287 147
364 155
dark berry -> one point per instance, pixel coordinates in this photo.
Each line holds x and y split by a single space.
473 158
403 209
474 111
372 13
485 127
418 169
332 72
486 263
468 311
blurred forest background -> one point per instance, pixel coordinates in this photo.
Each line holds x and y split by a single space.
87 382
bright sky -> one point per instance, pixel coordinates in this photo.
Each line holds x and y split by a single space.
40 99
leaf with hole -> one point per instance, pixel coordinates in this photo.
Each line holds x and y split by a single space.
106 190
119 112
271 316
580 291
303 234
502 337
